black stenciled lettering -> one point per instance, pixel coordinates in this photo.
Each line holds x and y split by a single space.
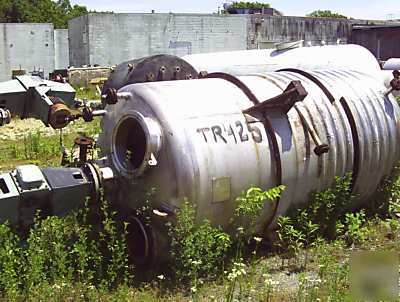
217 131
255 133
243 137
231 132
203 131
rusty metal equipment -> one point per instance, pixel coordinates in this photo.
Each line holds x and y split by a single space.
84 144
5 117
210 138
49 101
29 96
54 191
147 69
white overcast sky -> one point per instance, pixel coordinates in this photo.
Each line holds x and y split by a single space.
365 9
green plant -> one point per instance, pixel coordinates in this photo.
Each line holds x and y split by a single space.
86 93
197 250
355 232
290 240
117 271
235 276
326 14
319 217
35 147
250 204
11 262
249 5
62 251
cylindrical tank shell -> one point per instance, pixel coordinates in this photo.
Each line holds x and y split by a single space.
349 57
392 64
209 151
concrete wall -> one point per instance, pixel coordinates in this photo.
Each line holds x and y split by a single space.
383 42
109 39
274 29
78 41
61 49
27 46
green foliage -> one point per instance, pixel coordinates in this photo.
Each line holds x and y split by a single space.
387 195
355 230
197 250
290 240
86 93
62 251
10 261
320 218
320 215
40 11
326 14
35 147
250 204
249 5
249 207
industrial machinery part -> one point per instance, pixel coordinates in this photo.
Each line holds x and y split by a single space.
392 64
47 101
209 139
147 69
53 191
245 62
5 117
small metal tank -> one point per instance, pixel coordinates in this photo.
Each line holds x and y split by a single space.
209 139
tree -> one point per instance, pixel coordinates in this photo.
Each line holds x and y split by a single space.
40 11
252 6
326 14
249 5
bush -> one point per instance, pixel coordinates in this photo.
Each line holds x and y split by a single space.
197 250
62 251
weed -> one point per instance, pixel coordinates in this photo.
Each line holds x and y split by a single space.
62 251
290 240
249 206
197 250
11 262
355 231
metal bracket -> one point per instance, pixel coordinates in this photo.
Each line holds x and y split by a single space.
294 92
394 83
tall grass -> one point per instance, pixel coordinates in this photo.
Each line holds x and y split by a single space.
59 252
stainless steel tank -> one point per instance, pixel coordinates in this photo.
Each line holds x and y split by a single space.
244 62
209 139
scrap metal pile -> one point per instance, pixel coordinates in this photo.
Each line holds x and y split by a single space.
206 127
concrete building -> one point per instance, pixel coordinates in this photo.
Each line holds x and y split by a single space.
381 40
265 31
108 38
27 46
61 49
31 46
